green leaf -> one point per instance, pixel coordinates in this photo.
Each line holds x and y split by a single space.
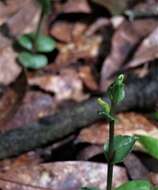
106 116
154 115
156 188
116 91
135 185
104 105
45 44
32 61
150 144
122 146
46 5
89 188
25 42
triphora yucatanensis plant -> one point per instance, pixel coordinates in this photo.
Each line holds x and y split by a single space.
34 45
118 147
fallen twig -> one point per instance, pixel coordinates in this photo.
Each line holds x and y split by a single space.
69 120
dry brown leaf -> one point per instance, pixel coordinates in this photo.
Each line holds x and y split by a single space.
64 175
72 6
66 85
124 41
83 48
128 124
12 98
9 69
87 77
9 8
35 105
62 31
147 51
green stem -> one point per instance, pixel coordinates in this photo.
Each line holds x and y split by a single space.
38 28
111 152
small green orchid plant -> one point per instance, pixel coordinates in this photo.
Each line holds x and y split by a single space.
35 44
119 146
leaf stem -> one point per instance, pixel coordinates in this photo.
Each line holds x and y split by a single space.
110 152
38 28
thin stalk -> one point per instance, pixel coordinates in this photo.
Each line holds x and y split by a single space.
111 152
38 28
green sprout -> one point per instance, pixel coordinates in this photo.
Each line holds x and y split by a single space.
35 44
118 147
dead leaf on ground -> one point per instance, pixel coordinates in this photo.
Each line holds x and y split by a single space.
62 31
12 98
66 85
83 48
87 77
34 106
72 6
128 124
125 40
64 175
147 51
9 8
9 69
115 7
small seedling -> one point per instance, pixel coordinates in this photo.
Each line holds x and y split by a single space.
35 44
118 147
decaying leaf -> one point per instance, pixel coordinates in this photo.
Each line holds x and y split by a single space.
127 124
67 85
124 42
147 51
63 175
72 6
9 69
87 77
12 98
34 106
115 7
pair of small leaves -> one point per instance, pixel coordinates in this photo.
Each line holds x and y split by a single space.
122 145
116 91
105 109
43 44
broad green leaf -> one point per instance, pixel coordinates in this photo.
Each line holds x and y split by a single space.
46 5
135 185
150 144
104 105
116 91
32 61
89 188
25 42
122 146
45 44
156 188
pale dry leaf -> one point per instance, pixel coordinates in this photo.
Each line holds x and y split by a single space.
65 175
127 124
9 69
147 51
66 85
126 38
72 6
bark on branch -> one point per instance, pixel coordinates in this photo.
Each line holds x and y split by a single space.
140 94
